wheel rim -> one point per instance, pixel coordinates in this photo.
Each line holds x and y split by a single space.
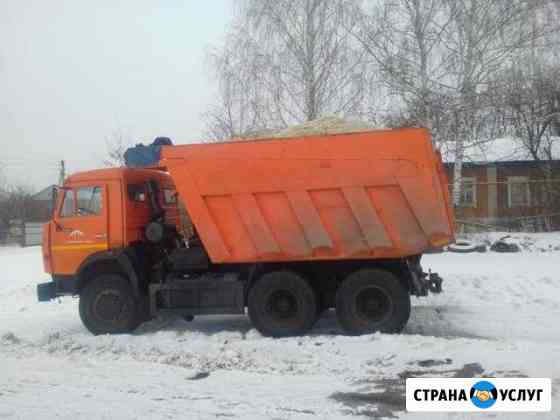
373 305
109 306
282 306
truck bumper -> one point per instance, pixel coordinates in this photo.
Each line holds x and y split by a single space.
46 291
61 285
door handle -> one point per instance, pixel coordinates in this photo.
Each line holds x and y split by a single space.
61 228
101 236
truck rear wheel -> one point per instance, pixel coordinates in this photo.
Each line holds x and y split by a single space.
108 306
281 304
371 300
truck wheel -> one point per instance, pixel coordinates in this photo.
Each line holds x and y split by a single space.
371 300
107 306
321 307
281 304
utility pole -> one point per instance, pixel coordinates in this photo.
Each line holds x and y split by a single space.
62 173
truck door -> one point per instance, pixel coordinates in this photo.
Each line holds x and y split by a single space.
80 226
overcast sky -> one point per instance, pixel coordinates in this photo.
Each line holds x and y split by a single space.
74 71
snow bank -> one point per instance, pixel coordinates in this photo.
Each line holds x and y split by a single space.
530 242
498 316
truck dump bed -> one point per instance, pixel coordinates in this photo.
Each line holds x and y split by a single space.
368 195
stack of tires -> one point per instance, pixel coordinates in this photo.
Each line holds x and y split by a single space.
465 246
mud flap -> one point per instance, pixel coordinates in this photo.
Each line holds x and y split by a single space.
422 282
434 281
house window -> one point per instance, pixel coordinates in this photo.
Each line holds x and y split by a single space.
540 193
518 191
468 192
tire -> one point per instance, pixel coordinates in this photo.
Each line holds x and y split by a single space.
462 247
319 307
107 306
371 300
502 246
282 304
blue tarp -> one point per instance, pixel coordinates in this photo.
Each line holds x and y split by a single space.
141 156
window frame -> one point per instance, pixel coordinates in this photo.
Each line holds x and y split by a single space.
521 180
134 189
63 200
472 181
74 190
93 193
540 193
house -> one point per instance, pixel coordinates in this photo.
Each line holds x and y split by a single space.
39 209
504 188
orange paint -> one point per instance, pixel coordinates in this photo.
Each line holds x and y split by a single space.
120 221
379 194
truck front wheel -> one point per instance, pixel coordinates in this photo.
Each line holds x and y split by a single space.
281 304
108 306
371 300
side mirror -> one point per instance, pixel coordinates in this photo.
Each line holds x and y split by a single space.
54 199
55 193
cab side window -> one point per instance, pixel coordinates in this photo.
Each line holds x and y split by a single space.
67 209
137 193
89 201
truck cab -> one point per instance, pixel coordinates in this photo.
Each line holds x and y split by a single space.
99 225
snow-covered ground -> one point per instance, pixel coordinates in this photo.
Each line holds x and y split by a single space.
499 316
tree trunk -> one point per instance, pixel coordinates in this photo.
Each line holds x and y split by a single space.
458 170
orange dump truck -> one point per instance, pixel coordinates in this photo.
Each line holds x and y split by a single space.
286 228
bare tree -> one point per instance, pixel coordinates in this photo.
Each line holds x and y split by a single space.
530 93
297 62
480 39
240 102
2 177
16 203
439 57
403 37
531 97
116 143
